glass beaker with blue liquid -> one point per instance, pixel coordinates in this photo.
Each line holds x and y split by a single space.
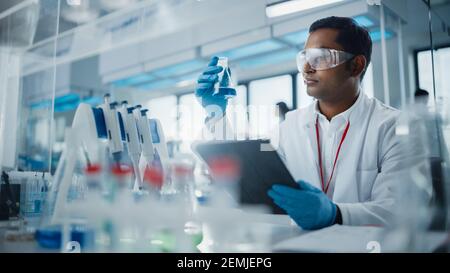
224 86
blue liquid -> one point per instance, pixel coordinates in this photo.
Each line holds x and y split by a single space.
226 92
50 237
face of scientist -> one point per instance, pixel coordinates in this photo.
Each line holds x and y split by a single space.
337 83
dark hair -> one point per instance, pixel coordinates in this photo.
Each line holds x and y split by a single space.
283 107
421 93
352 37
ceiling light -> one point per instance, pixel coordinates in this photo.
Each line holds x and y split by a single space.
73 2
79 11
288 7
116 4
80 16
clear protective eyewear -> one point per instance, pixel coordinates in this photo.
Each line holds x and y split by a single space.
321 58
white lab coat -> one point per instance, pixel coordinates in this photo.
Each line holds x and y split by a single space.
371 162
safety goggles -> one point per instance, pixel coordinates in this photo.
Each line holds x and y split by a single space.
321 58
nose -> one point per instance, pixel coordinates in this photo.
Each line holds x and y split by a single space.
307 69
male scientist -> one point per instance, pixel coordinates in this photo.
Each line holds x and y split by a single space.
342 149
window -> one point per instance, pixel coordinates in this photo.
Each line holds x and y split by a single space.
165 109
192 117
425 72
425 76
264 95
241 96
237 112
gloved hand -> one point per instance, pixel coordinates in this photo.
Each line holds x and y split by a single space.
205 88
308 206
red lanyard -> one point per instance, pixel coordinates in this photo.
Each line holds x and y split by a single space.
325 187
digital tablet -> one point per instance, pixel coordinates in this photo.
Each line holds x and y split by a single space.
260 168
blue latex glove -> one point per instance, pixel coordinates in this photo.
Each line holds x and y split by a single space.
205 88
308 206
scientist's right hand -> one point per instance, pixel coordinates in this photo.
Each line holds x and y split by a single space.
205 89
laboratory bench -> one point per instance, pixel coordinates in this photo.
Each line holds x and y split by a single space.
17 235
285 237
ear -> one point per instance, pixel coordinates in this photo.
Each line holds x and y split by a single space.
358 65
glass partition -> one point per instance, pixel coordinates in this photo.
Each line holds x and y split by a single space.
37 87
437 56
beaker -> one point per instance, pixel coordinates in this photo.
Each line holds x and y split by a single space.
224 85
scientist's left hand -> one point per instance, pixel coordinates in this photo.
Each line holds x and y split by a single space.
308 206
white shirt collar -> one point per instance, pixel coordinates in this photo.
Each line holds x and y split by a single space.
344 116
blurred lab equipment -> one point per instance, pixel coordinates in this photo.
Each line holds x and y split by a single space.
222 211
9 198
152 140
226 173
116 126
158 140
93 173
23 194
132 141
281 110
114 131
413 189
